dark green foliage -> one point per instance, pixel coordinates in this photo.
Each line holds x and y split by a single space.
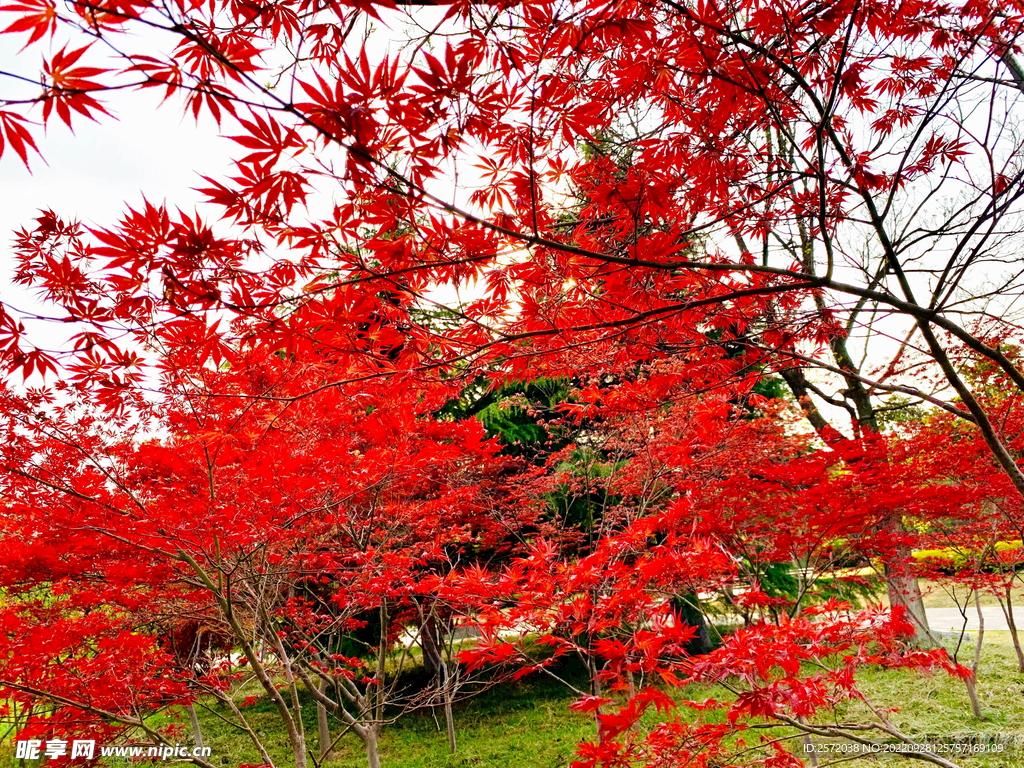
513 413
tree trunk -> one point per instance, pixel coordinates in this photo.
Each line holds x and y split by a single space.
972 681
447 691
595 681
902 587
372 750
690 612
1011 622
430 642
812 756
433 641
904 590
197 734
323 727
972 693
595 684
374 707
298 739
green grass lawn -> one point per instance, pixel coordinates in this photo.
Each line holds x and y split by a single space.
935 707
522 723
528 724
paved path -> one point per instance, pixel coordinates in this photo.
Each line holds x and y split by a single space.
950 619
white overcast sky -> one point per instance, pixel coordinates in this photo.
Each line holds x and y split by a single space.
93 174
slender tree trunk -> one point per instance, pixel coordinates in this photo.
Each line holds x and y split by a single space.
372 748
689 612
972 693
323 727
296 729
298 739
432 642
375 694
904 589
197 734
25 716
812 757
595 682
972 681
1011 622
447 690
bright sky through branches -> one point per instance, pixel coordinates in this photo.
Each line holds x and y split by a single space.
151 150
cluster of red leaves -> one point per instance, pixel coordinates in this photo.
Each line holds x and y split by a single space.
519 103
